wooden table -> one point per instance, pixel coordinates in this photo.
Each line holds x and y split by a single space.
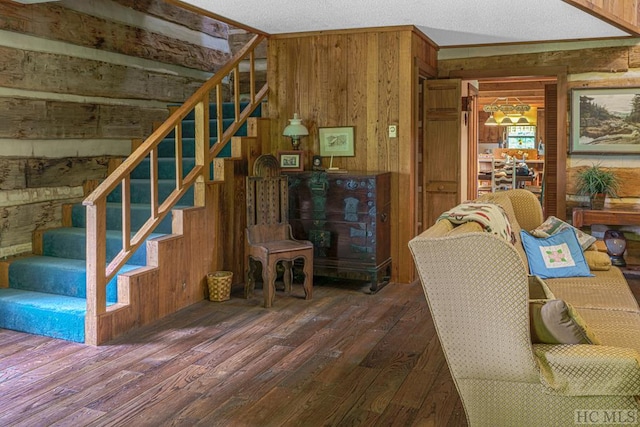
587 217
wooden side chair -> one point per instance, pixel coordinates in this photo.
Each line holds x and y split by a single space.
537 187
503 175
268 236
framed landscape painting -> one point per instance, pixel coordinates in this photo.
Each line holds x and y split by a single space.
336 141
605 121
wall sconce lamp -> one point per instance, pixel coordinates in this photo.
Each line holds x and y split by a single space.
295 130
616 245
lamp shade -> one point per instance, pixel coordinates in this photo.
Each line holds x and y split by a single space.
295 127
506 121
295 130
491 121
523 121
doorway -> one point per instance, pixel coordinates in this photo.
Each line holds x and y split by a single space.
546 87
523 140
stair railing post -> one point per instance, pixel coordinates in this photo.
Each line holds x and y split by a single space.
252 76
202 149
96 263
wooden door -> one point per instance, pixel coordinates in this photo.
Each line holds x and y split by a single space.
418 159
441 153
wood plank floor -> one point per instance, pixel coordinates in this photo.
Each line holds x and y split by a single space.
344 358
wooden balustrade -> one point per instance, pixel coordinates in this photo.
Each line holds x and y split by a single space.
97 275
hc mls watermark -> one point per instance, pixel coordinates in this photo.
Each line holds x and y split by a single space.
606 416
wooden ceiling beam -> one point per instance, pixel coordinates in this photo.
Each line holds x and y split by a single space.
511 86
511 93
512 100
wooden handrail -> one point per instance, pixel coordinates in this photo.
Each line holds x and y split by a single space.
98 272
126 167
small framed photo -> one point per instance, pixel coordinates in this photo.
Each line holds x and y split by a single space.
605 121
336 142
291 161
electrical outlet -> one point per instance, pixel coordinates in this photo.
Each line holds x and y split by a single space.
393 131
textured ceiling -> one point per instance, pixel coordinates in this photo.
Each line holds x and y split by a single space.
446 22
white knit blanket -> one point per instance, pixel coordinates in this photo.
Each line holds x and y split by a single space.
490 216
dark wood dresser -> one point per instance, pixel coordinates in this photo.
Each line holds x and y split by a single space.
346 217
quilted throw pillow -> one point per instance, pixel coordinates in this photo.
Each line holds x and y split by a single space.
558 255
556 322
554 225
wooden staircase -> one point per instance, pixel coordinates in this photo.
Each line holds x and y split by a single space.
133 276
177 266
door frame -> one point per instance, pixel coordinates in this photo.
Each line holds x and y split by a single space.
472 124
560 73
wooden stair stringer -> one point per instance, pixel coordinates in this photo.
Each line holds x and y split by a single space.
204 239
176 272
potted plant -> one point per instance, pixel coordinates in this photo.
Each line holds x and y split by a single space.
597 183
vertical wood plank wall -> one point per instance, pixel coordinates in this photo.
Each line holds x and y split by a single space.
79 81
365 79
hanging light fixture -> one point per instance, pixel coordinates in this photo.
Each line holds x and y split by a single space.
491 121
502 105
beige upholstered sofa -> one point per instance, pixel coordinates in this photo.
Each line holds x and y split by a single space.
477 288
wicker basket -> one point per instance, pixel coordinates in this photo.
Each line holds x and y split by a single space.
219 285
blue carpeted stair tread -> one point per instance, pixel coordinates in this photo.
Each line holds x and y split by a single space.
166 168
71 242
139 214
40 313
45 300
57 276
189 127
228 110
141 192
166 148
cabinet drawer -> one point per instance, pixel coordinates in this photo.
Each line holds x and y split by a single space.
345 240
322 193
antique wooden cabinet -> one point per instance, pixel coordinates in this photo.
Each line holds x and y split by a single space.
346 217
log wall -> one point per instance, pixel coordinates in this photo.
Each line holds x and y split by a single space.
365 79
78 81
589 65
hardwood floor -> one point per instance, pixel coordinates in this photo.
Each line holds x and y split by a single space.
342 359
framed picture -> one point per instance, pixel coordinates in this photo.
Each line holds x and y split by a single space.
291 161
336 141
605 121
